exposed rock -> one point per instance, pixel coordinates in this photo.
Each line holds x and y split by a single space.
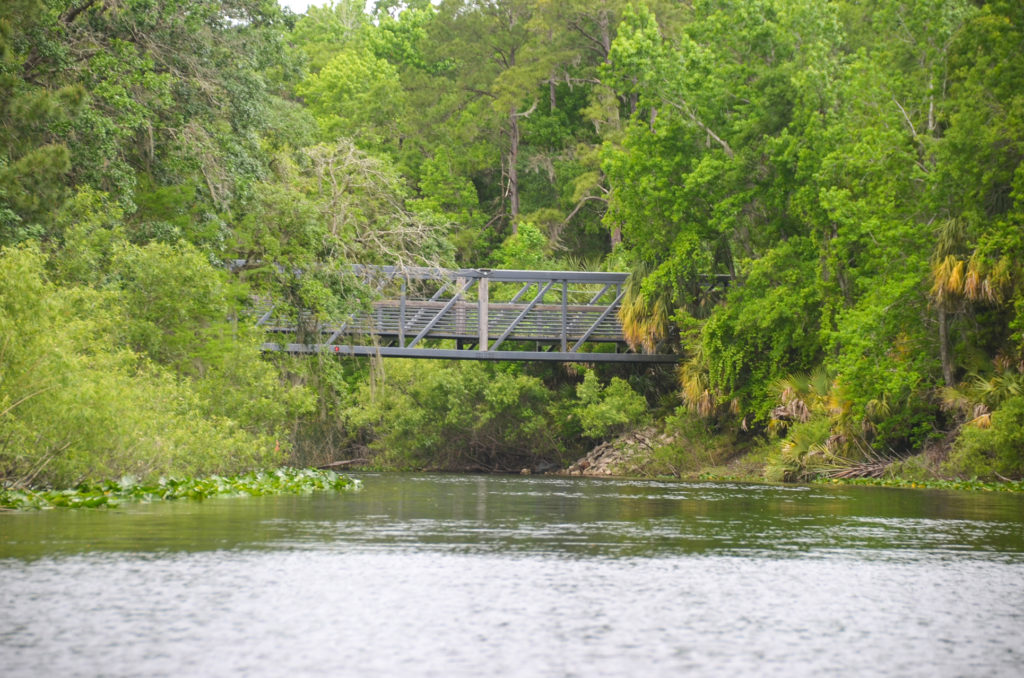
616 457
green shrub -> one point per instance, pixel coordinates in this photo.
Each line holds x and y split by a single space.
455 415
77 405
524 250
803 454
994 451
693 446
605 410
918 468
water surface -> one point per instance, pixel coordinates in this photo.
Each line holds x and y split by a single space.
433 575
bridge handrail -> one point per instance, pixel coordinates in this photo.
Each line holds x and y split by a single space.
497 275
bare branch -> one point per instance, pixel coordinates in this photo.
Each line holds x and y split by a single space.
580 204
21 400
905 117
72 12
686 109
597 41
526 114
481 92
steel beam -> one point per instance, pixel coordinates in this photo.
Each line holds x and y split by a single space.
483 301
565 315
401 317
464 354
522 292
500 275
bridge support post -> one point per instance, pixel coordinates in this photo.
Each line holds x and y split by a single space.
565 315
483 292
460 308
401 318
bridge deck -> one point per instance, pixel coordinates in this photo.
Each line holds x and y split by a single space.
478 314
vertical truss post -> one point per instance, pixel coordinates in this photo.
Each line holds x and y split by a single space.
483 293
565 315
460 309
401 317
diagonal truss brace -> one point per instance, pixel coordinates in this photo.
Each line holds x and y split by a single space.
440 314
600 319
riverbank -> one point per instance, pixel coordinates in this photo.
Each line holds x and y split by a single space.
111 493
651 453
648 453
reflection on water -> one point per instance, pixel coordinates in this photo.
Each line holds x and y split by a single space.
469 575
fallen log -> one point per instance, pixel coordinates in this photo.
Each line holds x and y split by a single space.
346 462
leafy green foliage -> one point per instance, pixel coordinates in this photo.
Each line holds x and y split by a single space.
525 250
973 485
163 324
357 95
804 454
767 328
110 493
809 158
324 31
798 187
461 415
605 410
997 450
77 404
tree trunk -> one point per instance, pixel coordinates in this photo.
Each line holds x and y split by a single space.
606 35
513 172
944 349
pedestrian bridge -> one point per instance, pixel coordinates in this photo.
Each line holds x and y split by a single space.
473 314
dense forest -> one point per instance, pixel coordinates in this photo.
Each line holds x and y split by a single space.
821 205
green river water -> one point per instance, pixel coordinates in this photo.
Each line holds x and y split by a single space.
456 575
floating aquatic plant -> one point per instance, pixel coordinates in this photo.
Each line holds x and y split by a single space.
973 484
110 493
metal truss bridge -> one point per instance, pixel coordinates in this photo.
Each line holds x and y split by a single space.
475 314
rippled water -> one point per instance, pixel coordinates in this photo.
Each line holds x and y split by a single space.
429 575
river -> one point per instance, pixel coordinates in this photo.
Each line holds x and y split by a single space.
456 575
